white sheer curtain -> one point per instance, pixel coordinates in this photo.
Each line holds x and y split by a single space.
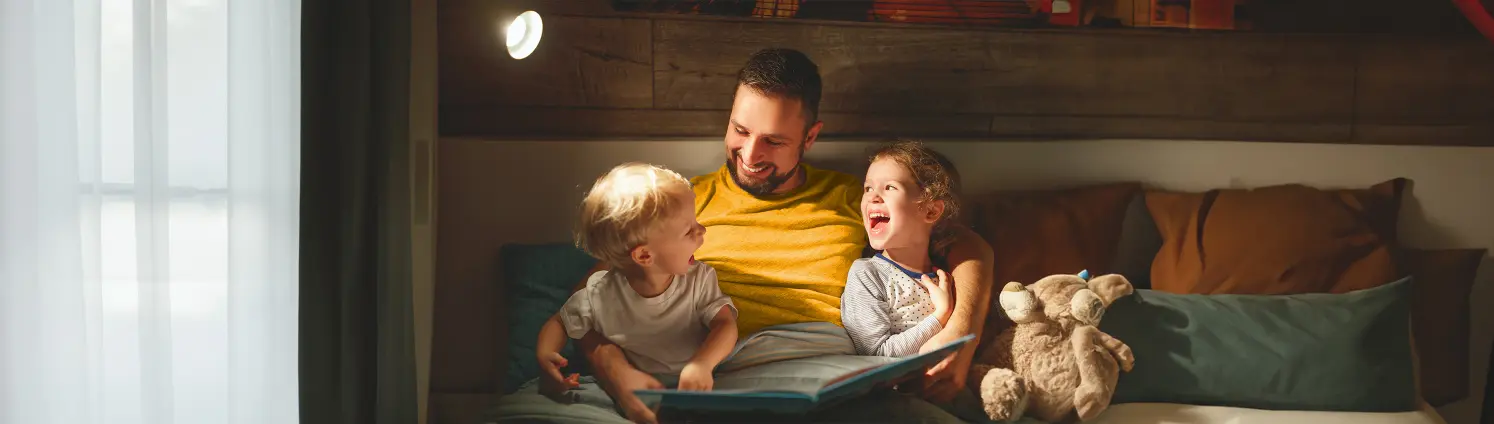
149 200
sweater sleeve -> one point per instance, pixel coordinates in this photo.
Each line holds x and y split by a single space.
867 317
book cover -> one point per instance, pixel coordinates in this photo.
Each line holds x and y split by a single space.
805 398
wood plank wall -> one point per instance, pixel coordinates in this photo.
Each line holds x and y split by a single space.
601 74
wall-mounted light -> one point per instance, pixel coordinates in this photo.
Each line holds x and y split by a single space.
523 34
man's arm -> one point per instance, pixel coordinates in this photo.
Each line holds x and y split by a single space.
972 262
606 358
618 377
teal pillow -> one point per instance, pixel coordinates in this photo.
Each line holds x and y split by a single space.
1312 352
539 278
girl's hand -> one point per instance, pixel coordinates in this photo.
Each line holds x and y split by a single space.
941 294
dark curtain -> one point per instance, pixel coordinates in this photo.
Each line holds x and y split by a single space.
356 334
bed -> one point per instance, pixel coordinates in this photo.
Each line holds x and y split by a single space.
1171 413
1283 304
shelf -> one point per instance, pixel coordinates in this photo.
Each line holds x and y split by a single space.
670 75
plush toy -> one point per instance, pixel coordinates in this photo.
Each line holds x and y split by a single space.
1054 364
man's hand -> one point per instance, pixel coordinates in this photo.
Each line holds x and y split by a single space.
618 377
945 380
551 382
696 377
970 260
624 382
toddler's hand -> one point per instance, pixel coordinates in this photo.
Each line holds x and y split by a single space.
941 294
696 377
551 382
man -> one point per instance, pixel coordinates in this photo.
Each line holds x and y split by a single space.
782 234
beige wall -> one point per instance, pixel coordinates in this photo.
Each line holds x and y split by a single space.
422 184
534 186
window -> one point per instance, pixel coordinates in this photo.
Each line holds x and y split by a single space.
174 299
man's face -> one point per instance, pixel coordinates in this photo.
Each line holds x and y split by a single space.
765 139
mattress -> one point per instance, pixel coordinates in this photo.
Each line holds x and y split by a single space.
1170 413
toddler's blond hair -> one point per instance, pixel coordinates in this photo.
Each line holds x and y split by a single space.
622 206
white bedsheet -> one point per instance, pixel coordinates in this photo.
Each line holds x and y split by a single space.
1170 413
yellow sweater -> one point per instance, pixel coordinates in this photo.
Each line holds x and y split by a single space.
783 259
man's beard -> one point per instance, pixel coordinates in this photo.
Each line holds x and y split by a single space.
766 186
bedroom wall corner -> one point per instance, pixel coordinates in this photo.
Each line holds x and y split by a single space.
423 135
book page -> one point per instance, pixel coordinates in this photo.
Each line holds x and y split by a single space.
887 374
806 386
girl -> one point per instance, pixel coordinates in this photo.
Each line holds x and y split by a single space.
895 301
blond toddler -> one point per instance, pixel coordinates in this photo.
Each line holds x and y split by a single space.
655 301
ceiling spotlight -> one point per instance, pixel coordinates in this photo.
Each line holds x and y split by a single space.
523 34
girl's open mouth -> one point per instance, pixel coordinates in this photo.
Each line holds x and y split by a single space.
879 221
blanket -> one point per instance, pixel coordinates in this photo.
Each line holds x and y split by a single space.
779 356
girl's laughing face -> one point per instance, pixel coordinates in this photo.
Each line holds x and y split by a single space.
890 208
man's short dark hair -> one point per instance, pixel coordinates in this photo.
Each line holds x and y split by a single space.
785 73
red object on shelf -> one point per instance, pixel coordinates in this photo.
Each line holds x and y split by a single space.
1064 12
1478 15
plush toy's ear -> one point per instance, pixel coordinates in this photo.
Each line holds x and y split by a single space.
1019 303
1110 287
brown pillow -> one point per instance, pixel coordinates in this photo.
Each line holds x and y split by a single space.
1442 281
1283 239
1038 233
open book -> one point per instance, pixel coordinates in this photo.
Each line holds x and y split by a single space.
804 399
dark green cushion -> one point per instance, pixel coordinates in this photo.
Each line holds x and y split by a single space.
1312 352
538 279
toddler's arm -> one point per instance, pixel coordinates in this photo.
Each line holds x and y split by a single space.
720 315
552 337
868 319
721 340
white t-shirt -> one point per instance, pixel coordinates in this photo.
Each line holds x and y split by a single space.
659 335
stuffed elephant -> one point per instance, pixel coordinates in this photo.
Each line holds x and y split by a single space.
1054 364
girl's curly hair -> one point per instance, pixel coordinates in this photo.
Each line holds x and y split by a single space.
937 179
